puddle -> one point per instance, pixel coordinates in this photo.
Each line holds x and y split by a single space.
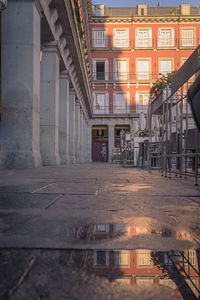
141 268
125 231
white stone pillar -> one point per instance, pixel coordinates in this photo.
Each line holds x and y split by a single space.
111 141
64 117
72 126
81 136
49 105
20 74
88 142
77 131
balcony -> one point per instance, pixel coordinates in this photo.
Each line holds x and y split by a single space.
188 43
146 43
119 110
124 76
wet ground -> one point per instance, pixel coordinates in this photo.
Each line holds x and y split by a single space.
98 231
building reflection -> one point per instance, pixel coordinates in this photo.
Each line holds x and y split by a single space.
179 270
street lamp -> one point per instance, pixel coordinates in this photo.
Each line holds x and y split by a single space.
3 4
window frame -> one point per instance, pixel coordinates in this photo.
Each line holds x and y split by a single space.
117 255
149 72
127 38
100 29
162 45
106 102
116 73
149 44
137 94
127 107
94 71
182 29
165 59
95 258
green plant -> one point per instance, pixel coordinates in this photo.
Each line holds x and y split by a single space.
160 83
145 133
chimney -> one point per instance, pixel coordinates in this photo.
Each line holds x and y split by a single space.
142 9
185 9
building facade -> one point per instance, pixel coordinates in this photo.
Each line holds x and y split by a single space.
45 83
131 48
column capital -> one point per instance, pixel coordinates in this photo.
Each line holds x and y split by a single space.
77 102
51 47
64 74
72 91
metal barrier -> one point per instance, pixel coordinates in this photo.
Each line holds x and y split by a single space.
179 137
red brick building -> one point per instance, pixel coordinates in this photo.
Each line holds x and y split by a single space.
130 48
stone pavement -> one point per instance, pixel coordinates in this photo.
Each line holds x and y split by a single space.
54 208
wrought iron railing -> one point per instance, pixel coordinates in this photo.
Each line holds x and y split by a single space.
110 42
124 76
119 109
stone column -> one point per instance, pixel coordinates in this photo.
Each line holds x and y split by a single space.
81 136
72 126
88 144
64 117
111 141
77 132
20 124
49 105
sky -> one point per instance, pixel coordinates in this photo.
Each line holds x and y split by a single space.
126 3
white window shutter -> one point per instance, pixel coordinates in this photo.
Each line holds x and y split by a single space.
128 98
94 69
172 35
94 38
114 102
107 103
106 69
150 37
114 37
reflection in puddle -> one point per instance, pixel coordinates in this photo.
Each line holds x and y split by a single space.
178 270
123 231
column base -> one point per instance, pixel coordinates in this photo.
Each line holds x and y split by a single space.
64 159
20 159
51 159
72 159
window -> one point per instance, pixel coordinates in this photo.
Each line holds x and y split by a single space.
143 38
121 38
101 228
100 103
99 38
143 68
122 258
143 258
166 37
101 258
100 69
142 100
187 37
121 103
165 66
120 69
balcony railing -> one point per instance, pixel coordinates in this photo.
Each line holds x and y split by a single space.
155 43
124 76
121 109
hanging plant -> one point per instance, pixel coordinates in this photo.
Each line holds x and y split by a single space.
160 84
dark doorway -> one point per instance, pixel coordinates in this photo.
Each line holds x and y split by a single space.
100 69
99 144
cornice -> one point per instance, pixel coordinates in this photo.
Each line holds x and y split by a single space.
153 19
